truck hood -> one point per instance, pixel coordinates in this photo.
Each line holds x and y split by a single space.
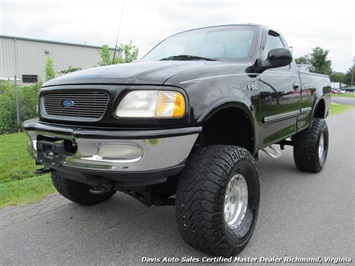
148 73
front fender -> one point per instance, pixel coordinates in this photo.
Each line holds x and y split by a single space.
223 104
209 95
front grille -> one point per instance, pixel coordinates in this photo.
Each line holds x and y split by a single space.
88 106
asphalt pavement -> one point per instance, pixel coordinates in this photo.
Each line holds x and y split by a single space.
303 217
343 100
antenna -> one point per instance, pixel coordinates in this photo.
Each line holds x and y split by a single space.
118 32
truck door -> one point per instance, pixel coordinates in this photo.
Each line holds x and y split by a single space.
279 95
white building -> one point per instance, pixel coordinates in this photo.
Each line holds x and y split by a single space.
304 67
26 58
338 85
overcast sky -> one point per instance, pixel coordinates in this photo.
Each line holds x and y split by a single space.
305 24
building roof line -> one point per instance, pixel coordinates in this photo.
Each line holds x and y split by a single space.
52 42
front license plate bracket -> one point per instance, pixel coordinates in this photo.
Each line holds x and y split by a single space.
50 153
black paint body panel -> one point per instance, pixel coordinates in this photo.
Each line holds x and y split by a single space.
279 102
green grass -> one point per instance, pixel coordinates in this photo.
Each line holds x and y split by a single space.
338 108
26 191
19 185
15 163
347 95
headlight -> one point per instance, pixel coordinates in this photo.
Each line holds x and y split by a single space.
151 103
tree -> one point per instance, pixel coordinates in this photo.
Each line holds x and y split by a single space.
130 52
319 61
303 60
49 69
338 77
106 57
349 76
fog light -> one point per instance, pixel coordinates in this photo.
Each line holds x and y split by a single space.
120 151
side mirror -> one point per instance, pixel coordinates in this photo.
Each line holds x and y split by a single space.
278 57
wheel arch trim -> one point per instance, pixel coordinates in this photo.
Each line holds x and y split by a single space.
227 104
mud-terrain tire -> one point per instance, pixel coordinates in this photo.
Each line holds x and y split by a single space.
76 191
217 199
311 145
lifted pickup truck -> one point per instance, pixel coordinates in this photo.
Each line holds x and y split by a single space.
183 126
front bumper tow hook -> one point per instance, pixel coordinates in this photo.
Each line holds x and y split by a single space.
42 171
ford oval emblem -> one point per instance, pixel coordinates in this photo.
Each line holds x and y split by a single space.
68 103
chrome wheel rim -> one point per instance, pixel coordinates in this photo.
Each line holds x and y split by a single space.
321 147
235 201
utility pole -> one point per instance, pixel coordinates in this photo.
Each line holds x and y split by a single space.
352 73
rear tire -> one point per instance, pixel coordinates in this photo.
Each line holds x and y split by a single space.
311 145
76 191
217 200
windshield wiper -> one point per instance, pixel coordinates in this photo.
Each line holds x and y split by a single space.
186 57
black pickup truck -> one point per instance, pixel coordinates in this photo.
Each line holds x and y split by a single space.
184 126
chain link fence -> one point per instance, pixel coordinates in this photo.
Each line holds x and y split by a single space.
17 104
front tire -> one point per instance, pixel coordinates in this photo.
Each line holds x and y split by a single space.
311 145
76 191
217 200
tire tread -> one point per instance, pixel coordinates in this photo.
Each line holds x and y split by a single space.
200 197
77 192
305 151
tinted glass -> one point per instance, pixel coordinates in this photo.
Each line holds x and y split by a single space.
273 41
231 43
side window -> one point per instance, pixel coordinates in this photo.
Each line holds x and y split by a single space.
273 41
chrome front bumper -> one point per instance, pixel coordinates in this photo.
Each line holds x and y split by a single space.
113 151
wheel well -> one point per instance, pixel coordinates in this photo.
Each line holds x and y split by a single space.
230 126
320 111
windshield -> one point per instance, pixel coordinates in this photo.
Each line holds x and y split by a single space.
227 43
